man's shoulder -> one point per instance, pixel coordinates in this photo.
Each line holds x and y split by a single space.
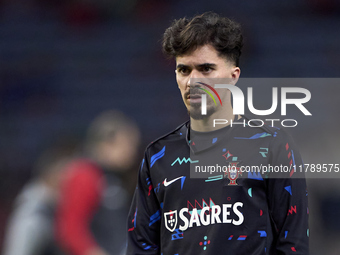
174 135
254 129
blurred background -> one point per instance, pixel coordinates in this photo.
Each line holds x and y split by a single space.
63 62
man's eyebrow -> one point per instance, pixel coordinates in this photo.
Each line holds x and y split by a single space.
206 65
197 66
181 66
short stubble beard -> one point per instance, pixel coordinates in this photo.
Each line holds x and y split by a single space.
194 111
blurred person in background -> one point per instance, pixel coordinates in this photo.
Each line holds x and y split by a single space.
91 217
30 230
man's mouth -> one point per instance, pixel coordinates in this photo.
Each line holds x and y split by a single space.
194 98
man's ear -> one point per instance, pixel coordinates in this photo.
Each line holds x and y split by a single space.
235 73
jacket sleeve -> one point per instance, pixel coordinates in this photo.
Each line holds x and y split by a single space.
288 197
80 196
144 217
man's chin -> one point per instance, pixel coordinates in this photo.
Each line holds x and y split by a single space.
196 114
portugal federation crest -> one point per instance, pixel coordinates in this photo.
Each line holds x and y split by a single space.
170 220
233 172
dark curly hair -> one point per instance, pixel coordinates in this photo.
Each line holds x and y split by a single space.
185 35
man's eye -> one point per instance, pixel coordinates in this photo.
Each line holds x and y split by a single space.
184 70
207 69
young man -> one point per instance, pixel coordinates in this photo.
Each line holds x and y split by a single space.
173 213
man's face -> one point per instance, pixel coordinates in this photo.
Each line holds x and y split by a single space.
118 152
202 63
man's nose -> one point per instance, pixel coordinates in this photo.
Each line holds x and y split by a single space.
194 74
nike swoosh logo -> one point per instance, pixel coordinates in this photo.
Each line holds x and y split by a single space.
172 181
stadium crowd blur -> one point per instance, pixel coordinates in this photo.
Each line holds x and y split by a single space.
64 62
